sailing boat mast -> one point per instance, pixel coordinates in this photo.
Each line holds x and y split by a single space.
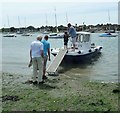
19 20
19 24
25 24
56 20
46 20
8 23
46 29
25 31
9 35
109 19
66 18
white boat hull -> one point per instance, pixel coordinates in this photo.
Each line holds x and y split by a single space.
27 34
9 35
84 50
78 56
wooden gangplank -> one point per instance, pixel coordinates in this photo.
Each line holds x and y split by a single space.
56 62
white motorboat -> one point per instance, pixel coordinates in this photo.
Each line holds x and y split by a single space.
108 35
45 32
55 36
9 35
26 34
84 49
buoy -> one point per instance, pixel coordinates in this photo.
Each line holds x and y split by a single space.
79 52
90 50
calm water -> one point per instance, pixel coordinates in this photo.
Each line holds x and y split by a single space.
15 58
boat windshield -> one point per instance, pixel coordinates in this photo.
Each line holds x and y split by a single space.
83 38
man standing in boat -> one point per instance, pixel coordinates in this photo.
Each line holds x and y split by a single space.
72 33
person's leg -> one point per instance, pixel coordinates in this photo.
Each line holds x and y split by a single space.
40 67
44 66
34 61
65 45
73 43
74 47
74 40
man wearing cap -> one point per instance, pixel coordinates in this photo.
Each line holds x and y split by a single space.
72 33
36 55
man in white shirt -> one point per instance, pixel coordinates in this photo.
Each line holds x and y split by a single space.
36 55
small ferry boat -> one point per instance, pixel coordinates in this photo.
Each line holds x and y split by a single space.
84 49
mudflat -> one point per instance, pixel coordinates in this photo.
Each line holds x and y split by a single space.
58 93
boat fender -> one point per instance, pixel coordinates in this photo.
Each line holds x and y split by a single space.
100 48
90 50
79 52
96 49
93 44
51 49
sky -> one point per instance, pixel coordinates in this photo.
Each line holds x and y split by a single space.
38 12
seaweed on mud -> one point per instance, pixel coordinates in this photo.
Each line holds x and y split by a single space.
11 98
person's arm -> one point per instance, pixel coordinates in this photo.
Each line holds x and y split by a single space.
49 51
70 30
30 63
30 54
49 54
42 54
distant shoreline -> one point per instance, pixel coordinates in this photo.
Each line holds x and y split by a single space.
62 28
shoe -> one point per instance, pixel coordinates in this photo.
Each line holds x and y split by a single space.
44 77
30 81
35 82
30 64
41 82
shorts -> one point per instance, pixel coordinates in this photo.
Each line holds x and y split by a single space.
73 40
65 43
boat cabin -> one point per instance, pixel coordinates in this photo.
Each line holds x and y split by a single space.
83 41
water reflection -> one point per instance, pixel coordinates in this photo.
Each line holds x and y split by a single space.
84 64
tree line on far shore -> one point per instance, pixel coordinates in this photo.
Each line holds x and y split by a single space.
61 28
